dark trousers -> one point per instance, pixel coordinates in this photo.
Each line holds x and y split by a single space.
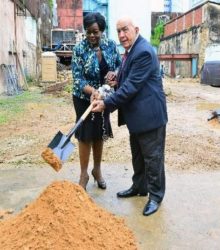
147 151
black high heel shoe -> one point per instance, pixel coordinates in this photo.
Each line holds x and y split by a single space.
101 183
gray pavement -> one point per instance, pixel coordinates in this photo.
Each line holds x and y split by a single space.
189 217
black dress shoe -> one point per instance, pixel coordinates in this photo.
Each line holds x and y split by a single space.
129 193
151 207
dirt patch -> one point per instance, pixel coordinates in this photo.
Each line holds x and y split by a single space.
192 142
65 217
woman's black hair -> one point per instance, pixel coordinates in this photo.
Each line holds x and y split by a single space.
94 17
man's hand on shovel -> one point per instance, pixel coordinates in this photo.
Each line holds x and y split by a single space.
95 99
98 106
98 96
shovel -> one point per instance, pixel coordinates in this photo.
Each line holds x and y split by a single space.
60 148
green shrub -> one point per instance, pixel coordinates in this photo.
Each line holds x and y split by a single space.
50 2
157 33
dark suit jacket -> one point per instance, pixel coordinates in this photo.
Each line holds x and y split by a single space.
140 97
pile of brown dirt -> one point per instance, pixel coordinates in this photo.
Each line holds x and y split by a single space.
65 217
4 214
215 123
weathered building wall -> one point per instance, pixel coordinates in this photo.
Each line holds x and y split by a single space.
34 6
213 22
6 31
70 14
29 55
40 10
14 40
45 23
9 37
183 43
191 33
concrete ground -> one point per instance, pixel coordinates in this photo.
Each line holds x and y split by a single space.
189 217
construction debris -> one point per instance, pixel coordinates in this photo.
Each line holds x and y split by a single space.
215 114
11 79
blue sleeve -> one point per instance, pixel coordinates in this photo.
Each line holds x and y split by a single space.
78 70
138 75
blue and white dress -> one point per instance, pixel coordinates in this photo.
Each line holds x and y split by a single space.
87 70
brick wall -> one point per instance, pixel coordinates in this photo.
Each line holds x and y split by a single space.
170 28
186 21
179 25
198 16
70 14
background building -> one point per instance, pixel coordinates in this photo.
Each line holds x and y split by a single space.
67 14
140 12
167 5
188 38
25 27
194 3
96 6
176 5
114 9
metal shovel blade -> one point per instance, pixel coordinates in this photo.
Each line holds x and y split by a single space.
58 147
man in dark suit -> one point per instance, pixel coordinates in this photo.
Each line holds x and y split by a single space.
141 103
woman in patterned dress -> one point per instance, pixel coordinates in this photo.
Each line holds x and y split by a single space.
92 59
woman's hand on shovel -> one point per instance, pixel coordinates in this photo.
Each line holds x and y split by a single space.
95 95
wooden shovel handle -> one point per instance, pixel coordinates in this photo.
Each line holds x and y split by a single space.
85 114
80 121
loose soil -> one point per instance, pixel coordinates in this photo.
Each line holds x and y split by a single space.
65 217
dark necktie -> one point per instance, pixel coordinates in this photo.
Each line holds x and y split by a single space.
122 63
124 58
